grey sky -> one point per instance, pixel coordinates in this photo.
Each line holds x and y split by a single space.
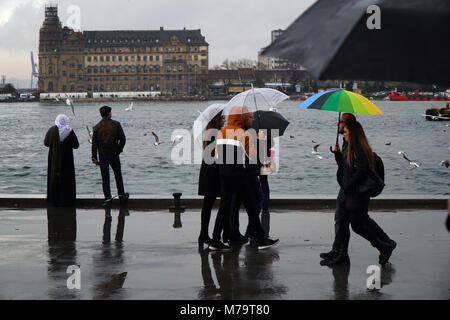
234 28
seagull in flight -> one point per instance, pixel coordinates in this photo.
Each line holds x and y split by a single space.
316 152
130 108
90 134
314 149
157 142
413 164
69 102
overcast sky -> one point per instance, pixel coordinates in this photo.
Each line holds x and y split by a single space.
234 29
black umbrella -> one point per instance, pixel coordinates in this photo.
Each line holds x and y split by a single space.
332 39
270 120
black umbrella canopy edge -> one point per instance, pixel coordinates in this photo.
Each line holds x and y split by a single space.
303 26
335 53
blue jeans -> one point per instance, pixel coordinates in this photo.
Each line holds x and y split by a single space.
114 162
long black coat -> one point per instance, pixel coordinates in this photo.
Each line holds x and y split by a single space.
64 193
209 179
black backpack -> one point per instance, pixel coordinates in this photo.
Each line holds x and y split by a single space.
378 176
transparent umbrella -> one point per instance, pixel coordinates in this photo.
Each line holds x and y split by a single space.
255 99
203 119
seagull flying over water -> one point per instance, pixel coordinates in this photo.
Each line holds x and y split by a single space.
90 134
445 163
316 152
157 142
314 149
130 108
413 164
69 102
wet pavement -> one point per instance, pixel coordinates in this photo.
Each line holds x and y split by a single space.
154 255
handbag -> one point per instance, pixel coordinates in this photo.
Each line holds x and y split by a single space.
269 167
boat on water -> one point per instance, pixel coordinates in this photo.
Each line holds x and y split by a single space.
438 114
416 95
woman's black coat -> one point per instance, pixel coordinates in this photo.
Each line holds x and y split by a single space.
209 180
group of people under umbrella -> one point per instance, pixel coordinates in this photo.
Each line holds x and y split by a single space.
236 158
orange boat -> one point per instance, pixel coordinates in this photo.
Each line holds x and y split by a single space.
416 95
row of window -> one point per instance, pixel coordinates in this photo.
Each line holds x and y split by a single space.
121 87
138 58
139 78
146 49
138 69
151 40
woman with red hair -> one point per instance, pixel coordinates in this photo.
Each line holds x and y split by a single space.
235 155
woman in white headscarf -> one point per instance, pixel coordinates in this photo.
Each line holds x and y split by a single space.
61 140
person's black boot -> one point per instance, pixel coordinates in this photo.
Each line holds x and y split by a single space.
386 249
329 255
124 198
218 245
342 259
202 239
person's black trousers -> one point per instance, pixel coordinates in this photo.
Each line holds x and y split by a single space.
357 205
205 216
341 224
244 190
223 214
114 162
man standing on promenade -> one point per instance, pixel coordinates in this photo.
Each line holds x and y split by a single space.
109 140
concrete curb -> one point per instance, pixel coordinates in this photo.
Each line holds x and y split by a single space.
277 202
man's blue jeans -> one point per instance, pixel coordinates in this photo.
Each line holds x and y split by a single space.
114 162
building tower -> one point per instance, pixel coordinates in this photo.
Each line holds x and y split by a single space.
50 41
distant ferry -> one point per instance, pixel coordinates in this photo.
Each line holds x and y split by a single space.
416 95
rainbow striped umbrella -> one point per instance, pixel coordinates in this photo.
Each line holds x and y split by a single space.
340 101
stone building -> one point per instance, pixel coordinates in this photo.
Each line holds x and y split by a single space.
107 62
